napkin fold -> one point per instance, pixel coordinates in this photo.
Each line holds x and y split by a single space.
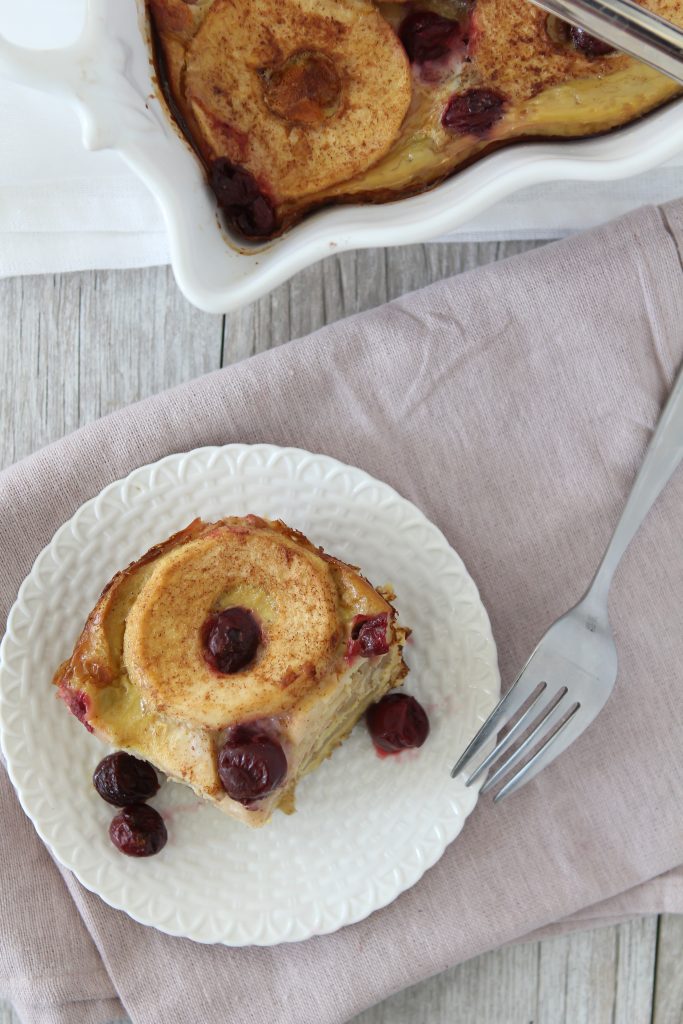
64 209
513 404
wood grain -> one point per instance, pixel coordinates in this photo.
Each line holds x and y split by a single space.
78 346
668 983
75 347
603 976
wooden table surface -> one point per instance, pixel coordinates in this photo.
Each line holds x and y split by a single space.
78 346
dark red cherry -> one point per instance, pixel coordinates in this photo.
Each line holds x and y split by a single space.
368 636
138 831
428 36
78 704
122 779
587 44
250 765
239 194
473 112
232 184
397 722
258 219
230 639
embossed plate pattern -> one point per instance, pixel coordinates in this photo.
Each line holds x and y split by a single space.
366 829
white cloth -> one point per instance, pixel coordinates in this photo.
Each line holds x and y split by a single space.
63 208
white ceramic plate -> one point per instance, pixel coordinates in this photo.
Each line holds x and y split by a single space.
106 75
366 829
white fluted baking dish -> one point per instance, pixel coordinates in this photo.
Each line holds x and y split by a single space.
108 77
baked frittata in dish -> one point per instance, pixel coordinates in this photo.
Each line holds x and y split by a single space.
294 105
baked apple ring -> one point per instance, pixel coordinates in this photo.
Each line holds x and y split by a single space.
300 96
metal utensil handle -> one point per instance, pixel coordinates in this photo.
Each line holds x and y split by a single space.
628 27
661 459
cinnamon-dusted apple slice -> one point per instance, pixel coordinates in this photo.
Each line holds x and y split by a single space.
299 94
522 75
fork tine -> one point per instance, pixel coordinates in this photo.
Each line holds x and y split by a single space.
569 730
555 709
522 688
508 739
506 708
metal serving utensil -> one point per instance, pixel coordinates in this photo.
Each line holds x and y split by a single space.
626 26
572 671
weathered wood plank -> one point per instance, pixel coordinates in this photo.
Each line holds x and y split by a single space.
668 982
603 976
139 335
597 977
498 988
76 346
636 952
39 331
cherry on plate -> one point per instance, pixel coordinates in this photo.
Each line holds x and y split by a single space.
588 45
138 831
239 194
122 779
78 704
397 722
565 35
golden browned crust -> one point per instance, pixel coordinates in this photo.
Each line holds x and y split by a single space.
514 51
96 659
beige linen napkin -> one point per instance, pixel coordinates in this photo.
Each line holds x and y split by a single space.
513 405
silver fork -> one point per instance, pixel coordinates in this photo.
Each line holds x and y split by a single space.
572 671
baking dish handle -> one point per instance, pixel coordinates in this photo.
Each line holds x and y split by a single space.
54 71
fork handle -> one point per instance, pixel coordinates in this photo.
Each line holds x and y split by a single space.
626 26
661 459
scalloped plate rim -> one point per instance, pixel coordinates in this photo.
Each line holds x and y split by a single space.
425 861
